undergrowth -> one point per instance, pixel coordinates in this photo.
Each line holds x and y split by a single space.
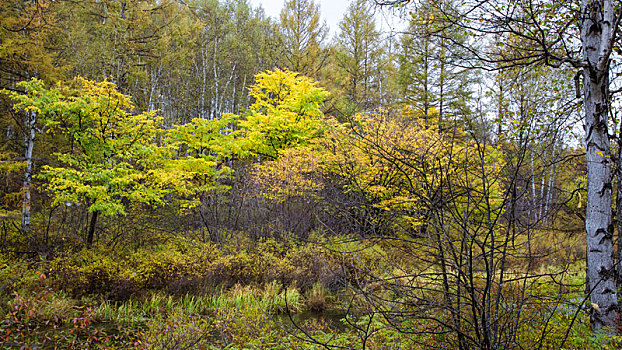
183 294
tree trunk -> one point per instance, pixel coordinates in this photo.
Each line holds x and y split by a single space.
619 211
91 233
29 141
597 36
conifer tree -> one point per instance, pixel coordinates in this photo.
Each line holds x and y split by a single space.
359 54
303 34
430 76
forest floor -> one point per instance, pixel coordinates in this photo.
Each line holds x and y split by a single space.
184 294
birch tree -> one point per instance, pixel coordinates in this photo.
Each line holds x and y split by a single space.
581 35
28 48
599 23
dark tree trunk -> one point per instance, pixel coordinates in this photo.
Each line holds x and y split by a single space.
91 233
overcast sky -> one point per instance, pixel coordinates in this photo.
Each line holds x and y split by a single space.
332 12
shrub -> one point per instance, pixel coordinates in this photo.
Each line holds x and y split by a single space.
312 264
87 272
177 330
241 268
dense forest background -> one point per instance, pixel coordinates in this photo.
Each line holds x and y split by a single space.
195 174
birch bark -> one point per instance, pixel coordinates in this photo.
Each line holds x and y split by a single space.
597 35
29 141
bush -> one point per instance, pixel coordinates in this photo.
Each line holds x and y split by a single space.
312 264
87 272
122 275
241 268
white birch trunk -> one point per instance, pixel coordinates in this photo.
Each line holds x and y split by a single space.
29 141
204 82
597 19
215 107
532 201
543 183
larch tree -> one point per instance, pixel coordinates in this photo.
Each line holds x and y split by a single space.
431 80
359 53
303 34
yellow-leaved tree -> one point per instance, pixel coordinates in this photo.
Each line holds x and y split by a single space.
287 112
409 172
115 157
282 128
